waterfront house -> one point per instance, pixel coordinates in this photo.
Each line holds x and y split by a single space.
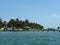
26 28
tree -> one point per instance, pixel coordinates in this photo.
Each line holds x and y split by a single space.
35 26
11 23
26 22
17 23
58 27
21 24
1 24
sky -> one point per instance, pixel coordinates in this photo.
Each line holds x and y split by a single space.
44 12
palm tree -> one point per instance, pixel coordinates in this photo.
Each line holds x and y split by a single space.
17 23
1 24
58 27
11 23
27 22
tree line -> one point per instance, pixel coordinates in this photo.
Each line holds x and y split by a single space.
16 23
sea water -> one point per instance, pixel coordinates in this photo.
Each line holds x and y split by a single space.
30 38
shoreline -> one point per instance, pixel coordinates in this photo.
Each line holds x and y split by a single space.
27 30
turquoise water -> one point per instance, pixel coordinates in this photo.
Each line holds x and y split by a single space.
30 38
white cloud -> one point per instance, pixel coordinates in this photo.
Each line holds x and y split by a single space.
51 20
54 16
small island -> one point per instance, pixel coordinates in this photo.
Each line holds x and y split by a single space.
19 25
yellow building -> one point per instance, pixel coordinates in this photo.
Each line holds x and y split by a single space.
27 28
2 29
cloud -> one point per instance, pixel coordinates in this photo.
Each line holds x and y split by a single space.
51 20
54 16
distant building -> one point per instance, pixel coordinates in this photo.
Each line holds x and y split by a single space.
5 25
26 28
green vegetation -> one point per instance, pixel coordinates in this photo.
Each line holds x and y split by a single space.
16 23
1 25
58 27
